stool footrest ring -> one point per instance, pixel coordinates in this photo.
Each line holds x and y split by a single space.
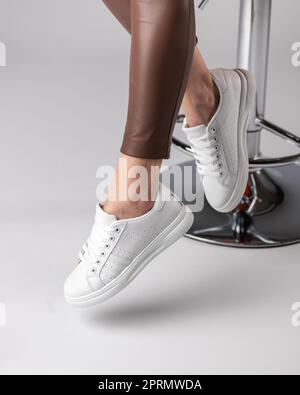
261 162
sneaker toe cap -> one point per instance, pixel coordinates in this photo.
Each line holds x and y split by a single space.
218 194
77 284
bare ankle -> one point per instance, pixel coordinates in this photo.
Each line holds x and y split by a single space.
133 188
201 103
127 210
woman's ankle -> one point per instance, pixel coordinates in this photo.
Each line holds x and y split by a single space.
133 189
201 98
201 103
127 210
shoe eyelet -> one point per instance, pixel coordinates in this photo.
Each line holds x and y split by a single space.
117 230
213 130
107 246
102 253
216 147
221 174
112 238
220 166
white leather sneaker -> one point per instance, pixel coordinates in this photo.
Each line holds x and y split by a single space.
117 250
220 148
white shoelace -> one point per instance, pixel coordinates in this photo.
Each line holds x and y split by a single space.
98 244
206 151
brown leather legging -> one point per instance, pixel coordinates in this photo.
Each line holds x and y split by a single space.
162 47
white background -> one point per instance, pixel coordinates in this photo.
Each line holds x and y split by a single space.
196 308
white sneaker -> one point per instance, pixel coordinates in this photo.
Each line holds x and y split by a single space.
220 148
117 250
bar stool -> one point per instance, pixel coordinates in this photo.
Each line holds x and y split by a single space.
268 215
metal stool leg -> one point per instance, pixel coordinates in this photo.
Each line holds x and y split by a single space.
268 215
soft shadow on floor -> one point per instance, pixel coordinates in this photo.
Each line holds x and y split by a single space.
227 290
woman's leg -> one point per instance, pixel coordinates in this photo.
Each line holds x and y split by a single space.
206 92
162 48
162 51
201 96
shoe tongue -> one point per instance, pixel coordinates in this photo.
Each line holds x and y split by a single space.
103 218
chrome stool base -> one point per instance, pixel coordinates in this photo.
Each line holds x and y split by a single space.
267 217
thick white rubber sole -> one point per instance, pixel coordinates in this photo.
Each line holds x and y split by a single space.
169 236
248 93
